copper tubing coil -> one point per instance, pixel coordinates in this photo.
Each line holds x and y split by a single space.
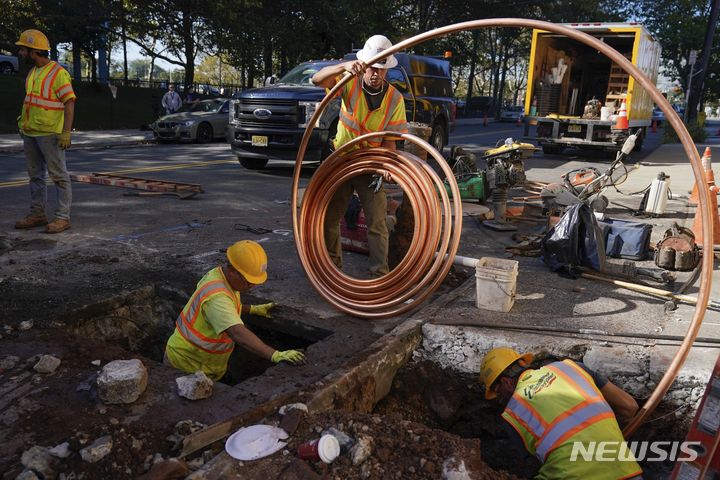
437 229
640 78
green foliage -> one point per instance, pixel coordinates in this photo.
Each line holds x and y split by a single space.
695 129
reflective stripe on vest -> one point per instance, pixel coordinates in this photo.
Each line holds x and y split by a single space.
357 118
186 320
590 410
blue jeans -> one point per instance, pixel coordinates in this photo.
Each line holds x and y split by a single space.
43 156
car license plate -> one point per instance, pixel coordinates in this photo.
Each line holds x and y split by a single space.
574 128
259 141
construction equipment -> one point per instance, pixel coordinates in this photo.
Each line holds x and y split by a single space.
505 169
181 190
470 181
586 185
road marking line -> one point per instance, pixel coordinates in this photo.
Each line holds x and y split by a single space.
179 166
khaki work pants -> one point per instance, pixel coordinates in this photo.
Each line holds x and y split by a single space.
375 208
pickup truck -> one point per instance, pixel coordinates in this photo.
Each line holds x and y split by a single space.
268 123
8 64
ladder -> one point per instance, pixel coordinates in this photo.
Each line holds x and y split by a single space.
617 85
159 187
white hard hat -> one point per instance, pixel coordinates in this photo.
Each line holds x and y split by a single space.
373 46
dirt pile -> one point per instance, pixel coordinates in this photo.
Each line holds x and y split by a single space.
393 448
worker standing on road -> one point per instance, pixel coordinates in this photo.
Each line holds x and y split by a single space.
210 325
558 407
369 104
171 101
45 124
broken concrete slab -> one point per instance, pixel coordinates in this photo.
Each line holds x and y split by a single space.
195 386
98 449
620 360
696 369
122 381
47 364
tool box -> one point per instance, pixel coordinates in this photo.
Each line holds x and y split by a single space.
623 239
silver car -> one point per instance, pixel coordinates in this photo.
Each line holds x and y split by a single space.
202 122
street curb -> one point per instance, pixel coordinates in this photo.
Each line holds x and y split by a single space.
88 146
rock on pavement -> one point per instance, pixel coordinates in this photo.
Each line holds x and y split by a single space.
99 448
195 387
47 364
122 381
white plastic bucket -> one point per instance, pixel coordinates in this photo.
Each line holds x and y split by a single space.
605 113
496 280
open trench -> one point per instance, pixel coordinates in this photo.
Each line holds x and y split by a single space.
381 391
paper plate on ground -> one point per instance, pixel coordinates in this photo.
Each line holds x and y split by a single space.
256 441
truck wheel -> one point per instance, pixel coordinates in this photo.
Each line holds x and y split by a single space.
437 138
253 163
640 141
204 133
552 149
6 68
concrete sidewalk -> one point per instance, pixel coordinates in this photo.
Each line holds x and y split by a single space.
13 143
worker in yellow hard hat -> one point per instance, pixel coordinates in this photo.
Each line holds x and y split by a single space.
45 124
559 411
210 325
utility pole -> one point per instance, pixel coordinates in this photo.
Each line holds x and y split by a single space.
695 85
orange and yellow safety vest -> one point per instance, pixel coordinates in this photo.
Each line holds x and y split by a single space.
557 405
47 89
357 119
194 345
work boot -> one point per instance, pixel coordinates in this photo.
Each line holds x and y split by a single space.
57 225
32 220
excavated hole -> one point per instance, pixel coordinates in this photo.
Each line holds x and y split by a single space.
452 401
141 321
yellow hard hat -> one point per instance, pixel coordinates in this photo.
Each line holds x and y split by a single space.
34 39
495 363
249 258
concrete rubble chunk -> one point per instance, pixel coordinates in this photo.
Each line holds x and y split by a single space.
47 364
195 387
292 406
27 475
39 460
122 381
614 361
98 449
25 325
455 470
362 449
61 451
9 362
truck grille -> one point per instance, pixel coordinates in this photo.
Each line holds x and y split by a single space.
283 113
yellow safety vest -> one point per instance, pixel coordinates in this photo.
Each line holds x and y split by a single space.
357 119
559 404
46 90
194 345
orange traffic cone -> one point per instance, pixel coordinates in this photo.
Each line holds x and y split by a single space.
697 224
654 126
707 166
621 123
485 121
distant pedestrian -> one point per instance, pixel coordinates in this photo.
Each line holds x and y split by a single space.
191 98
171 101
45 124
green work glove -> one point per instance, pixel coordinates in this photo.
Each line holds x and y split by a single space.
263 309
295 357
64 140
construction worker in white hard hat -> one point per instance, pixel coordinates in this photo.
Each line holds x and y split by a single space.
210 325
369 104
554 411
45 124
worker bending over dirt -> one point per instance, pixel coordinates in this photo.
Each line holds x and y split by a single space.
210 325
557 410
369 104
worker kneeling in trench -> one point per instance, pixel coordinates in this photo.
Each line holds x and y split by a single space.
558 407
210 325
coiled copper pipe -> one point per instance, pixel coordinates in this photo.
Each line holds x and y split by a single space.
355 306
